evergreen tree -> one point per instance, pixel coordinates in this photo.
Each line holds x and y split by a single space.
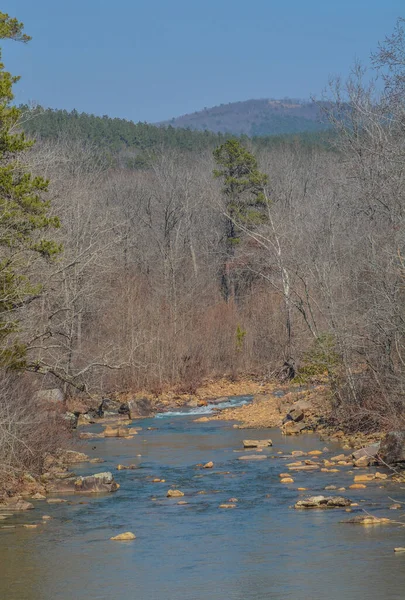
24 213
244 189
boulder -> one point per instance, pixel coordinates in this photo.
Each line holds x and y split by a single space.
90 436
392 449
141 408
257 443
52 396
124 537
294 414
363 461
71 418
370 451
100 482
174 494
364 478
91 484
292 428
117 432
71 457
84 420
338 458
15 504
323 502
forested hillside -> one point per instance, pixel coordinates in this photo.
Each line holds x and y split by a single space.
132 144
256 118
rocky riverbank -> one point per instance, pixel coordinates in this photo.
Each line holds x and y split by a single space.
295 410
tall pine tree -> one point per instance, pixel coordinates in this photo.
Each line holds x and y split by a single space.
24 212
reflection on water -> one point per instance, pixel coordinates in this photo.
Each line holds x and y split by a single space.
260 550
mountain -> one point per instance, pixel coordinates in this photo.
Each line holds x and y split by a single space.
255 118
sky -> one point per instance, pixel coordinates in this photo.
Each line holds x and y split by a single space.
150 60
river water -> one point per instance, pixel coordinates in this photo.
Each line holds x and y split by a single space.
262 549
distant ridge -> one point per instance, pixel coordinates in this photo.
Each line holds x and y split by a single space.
255 118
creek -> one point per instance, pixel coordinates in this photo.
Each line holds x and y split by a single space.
261 549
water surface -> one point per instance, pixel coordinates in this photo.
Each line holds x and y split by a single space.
260 550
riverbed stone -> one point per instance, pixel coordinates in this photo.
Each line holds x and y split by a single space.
124 537
257 443
364 478
110 431
323 502
338 457
292 428
174 494
368 520
253 457
99 482
370 451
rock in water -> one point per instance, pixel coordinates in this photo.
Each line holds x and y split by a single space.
252 457
174 494
323 502
209 465
15 504
364 478
141 408
117 432
100 482
369 451
124 537
70 457
368 520
257 443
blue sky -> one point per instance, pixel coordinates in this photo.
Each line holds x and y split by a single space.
149 60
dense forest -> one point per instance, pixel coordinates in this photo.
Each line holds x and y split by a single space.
254 257
132 145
